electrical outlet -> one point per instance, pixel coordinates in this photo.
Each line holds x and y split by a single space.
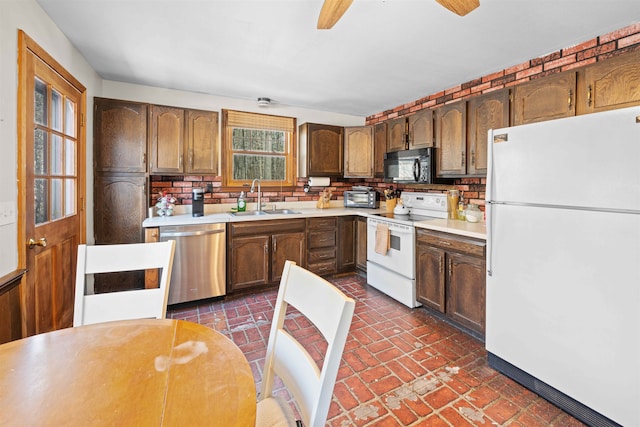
7 213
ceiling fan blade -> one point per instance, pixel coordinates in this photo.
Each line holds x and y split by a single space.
331 12
460 7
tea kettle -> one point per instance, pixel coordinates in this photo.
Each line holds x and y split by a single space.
400 208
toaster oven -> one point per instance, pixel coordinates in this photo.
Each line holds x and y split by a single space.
361 198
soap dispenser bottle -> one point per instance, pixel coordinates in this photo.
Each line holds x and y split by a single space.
242 203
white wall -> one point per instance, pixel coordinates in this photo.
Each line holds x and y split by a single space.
28 16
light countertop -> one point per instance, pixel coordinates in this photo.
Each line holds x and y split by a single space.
223 214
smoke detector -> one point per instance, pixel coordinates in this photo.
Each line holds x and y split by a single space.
264 102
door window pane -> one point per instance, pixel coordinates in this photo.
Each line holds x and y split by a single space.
41 191
69 197
56 155
70 118
41 103
70 157
56 110
40 156
56 199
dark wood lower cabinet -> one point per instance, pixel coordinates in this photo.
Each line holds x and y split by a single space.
450 277
10 307
361 243
259 249
346 244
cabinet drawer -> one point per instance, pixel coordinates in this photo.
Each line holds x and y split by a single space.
327 267
322 239
330 222
319 255
452 242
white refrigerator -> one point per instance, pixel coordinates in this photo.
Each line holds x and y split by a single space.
563 262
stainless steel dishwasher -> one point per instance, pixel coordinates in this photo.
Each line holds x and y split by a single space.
199 263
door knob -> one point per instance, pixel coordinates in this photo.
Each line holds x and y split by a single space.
40 242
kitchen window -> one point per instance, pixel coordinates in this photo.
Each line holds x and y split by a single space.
258 146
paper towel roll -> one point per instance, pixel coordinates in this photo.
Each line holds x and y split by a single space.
319 181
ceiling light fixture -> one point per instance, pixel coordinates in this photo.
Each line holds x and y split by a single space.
264 102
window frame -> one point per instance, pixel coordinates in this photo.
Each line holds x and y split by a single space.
290 154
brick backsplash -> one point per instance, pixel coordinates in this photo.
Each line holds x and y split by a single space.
473 189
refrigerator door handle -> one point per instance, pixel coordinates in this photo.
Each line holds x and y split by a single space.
489 238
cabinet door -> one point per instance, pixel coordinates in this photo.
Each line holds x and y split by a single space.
120 207
549 98
325 149
379 148
167 140
610 84
358 152
397 131
249 262
466 291
361 244
202 142
451 139
286 246
120 136
420 129
490 111
346 243
430 277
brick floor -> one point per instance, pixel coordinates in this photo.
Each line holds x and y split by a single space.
400 367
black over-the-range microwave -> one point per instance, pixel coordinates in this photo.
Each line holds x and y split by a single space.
410 166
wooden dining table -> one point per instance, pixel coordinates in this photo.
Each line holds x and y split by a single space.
147 372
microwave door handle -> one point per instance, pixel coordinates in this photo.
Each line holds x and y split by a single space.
416 169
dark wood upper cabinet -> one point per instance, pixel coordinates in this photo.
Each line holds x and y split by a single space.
167 140
120 136
358 152
397 132
610 84
379 148
420 128
451 139
201 134
489 111
324 148
548 98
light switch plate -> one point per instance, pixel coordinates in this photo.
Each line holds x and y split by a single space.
7 213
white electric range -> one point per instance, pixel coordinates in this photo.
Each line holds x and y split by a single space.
394 271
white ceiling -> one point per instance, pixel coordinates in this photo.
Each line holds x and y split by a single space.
381 54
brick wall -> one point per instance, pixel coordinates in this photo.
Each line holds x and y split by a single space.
473 189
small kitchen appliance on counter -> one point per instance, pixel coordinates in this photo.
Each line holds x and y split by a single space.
361 197
197 203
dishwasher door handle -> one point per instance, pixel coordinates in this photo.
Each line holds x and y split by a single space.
190 233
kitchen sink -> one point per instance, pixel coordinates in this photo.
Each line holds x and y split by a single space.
282 212
248 213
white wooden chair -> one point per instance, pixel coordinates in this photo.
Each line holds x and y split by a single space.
331 312
123 305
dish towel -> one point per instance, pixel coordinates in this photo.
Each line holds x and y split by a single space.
382 239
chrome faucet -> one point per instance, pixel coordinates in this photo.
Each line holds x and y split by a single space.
253 187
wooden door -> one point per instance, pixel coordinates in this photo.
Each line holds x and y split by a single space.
430 277
397 132
358 152
548 98
490 111
379 149
249 262
346 243
286 246
610 84
420 126
466 290
325 149
167 140
51 200
120 136
202 142
451 139
361 244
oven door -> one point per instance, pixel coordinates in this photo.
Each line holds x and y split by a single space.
400 258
